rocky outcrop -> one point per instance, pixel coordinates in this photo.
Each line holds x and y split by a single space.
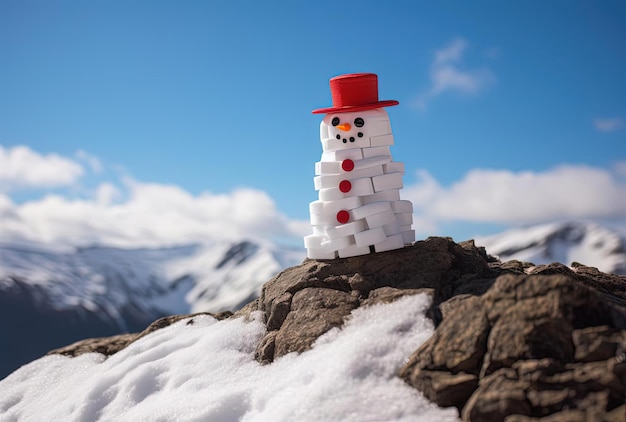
513 341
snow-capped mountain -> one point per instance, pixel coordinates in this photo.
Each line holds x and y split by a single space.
51 298
587 243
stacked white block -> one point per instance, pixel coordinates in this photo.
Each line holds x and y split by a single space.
359 209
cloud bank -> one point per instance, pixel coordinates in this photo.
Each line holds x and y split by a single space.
608 124
520 198
21 167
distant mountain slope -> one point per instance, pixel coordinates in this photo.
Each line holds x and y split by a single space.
586 243
66 296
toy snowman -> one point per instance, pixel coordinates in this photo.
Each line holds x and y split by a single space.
359 209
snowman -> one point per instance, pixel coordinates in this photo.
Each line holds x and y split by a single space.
359 209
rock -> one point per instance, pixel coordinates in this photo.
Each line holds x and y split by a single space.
513 341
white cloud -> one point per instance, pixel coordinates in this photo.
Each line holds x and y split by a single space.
447 74
502 196
608 124
94 162
21 167
152 215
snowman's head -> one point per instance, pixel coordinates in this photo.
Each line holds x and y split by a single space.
354 129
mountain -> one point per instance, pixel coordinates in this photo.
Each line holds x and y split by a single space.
586 243
430 332
62 296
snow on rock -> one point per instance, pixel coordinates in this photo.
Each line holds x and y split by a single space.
586 243
206 370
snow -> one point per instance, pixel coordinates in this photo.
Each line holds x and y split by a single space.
206 371
584 242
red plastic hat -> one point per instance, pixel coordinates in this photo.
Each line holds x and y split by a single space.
355 92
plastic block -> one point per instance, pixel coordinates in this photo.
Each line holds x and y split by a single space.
320 219
402 207
394 167
369 237
324 132
380 219
328 167
370 209
353 250
404 219
338 243
313 241
381 140
390 243
392 228
353 154
372 161
358 187
342 204
319 230
408 236
331 194
405 228
320 253
333 180
375 151
345 229
386 195
387 181
378 126
316 207
334 144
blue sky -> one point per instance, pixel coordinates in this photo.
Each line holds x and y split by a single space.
505 107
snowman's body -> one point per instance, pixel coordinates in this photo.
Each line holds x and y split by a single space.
359 209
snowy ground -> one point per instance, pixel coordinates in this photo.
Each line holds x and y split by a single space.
206 371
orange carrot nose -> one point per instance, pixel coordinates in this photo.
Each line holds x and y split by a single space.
345 127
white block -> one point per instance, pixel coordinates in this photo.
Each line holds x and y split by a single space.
320 253
353 250
394 167
342 204
370 209
380 219
353 154
319 230
322 219
382 140
387 181
331 194
316 207
334 144
390 243
369 237
408 236
402 206
390 229
405 228
345 229
372 161
328 167
385 195
374 151
313 241
358 187
404 219
333 180
324 133
338 243
377 126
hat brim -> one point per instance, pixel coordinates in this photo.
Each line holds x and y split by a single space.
346 109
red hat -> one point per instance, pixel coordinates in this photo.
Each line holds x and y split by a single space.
355 92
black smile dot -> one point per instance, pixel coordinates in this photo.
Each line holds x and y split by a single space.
360 134
344 140
352 139
338 136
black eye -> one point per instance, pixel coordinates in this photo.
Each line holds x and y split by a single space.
358 122
335 121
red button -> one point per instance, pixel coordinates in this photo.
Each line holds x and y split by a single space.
347 165
345 186
343 217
